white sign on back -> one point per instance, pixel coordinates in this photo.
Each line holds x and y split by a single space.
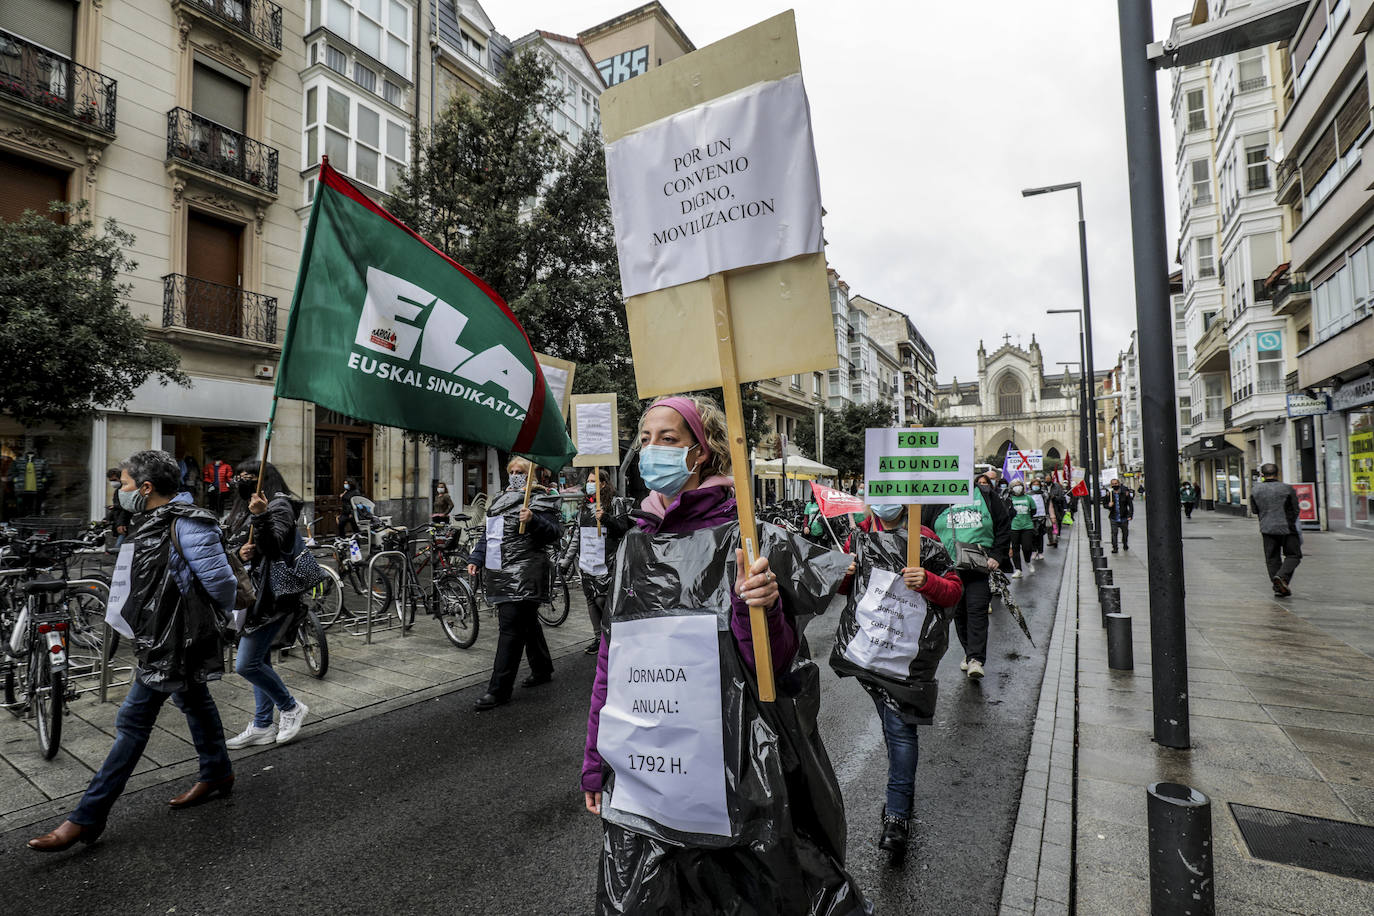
890 617
121 583
729 183
918 465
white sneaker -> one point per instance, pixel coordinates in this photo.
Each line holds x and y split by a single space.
1016 575
975 670
1030 568
963 665
252 735
291 722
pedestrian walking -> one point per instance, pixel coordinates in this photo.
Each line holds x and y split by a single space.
983 524
514 554
592 549
1276 504
1120 505
217 476
180 582
1037 495
116 515
671 841
1187 496
442 506
267 515
1022 531
915 604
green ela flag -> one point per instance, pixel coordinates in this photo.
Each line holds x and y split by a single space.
386 328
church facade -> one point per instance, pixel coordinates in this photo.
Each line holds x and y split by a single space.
1014 404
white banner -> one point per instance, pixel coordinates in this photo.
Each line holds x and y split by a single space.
1026 459
890 617
661 728
729 183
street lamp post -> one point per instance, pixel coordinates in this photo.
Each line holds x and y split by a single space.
1083 453
1095 467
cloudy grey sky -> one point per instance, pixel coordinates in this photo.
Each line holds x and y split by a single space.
929 119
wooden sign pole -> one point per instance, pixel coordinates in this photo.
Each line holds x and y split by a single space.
739 460
913 535
529 485
596 473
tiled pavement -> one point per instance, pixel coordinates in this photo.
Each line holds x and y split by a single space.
1281 695
362 681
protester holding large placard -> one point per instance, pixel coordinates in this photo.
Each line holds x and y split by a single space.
593 546
892 634
983 523
707 789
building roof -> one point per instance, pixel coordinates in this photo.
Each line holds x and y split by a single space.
649 9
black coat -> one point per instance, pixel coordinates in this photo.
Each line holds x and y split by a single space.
1127 499
524 572
615 523
274 535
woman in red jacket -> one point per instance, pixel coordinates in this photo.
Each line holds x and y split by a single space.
892 634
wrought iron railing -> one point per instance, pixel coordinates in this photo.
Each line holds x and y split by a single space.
204 306
1288 289
260 19
212 146
1253 83
53 82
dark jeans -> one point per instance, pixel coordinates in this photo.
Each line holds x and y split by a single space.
902 754
1188 510
133 725
1022 544
520 633
1290 546
254 664
971 615
1124 526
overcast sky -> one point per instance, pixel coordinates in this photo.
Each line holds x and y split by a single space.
929 119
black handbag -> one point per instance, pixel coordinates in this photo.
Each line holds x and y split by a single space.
968 557
295 574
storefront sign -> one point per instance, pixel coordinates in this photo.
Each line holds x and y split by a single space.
1301 405
1353 394
1307 501
918 465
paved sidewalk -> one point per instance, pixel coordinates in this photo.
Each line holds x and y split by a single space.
362 681
1281 695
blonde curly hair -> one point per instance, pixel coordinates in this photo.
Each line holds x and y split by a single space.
717 436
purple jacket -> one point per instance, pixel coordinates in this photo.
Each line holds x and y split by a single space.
708 506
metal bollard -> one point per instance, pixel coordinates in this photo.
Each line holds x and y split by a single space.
1180 819
1109 597
1120 651
1099 562
1104 576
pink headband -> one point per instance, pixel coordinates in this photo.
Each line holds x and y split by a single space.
688 411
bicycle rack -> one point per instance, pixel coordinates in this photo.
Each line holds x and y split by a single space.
371 597
103 684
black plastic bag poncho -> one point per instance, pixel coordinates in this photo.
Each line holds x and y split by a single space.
778 843
892 643
523 573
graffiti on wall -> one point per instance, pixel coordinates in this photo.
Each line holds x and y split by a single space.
619 67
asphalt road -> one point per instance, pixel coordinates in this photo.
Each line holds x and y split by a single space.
437 809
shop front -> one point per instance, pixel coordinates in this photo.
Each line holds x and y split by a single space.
45 472
1350 433
1219 472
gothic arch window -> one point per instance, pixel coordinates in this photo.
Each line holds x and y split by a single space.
1009 399
1052 452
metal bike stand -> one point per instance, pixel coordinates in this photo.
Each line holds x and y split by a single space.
371 573
104 685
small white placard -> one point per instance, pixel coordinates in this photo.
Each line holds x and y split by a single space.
1025 459
1039 500
916 465
120 585
890 617
661 728
591 551
496 530
594 423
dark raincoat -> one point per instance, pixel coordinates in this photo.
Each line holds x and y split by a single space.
524 572
615 524
275 536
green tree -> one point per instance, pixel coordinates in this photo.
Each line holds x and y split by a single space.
844 435
74 346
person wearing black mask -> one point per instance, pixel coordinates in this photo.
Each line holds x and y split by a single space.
1120 506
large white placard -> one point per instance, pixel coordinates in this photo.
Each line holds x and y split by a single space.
661 728
594 426
496 532
729 183
890 617
591 551
121 584
906 466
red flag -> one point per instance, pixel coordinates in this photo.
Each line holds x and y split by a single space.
1080 488
834 502
1068 466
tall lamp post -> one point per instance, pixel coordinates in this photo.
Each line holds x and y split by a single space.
1083 454
1095 468
1087 419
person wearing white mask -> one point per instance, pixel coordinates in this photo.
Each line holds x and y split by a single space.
592 548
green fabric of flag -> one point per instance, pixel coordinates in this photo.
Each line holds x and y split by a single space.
386 328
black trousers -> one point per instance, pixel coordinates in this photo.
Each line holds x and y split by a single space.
596 605
520 634
1188 510
1124 526
1289 546
1022 545
971 615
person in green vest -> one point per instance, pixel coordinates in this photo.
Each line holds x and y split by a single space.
983 522
1022 531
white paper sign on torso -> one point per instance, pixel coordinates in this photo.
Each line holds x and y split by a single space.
594 423
890 617
121 583
591 551
496 530
1039 500
729 183
661 728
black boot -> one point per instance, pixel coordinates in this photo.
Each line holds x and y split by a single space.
894 836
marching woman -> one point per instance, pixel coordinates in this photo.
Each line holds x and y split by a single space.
711 800
983 528
892 634
1037 495
593 547
516 578
1022 531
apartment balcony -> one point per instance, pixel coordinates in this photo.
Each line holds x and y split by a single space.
1291 295
256 23
1257 403
200 148
57 93
1250 85
1212 353
195 305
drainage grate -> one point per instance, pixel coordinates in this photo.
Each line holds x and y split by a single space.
1335 847
1198 537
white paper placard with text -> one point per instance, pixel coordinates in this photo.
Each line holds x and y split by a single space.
121 584
927 465
595 430
661 729
729 183
890 617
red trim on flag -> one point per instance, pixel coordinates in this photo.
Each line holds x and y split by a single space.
534 413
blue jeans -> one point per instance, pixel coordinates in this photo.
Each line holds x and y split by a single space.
254 664
133 725
902 753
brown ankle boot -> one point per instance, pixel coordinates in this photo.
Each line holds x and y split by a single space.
66 836
202 792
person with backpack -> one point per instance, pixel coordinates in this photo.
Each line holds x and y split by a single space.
268 510
180 581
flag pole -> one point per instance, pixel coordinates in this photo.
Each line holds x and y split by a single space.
266 445
529 485
739 460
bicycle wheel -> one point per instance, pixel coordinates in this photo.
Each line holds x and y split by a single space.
314 645
554 610
458 611
383 592
325 599
86 607
48 687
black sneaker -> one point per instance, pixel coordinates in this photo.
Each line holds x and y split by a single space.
895 834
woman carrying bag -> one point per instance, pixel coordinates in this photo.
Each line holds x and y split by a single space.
976 534
281 570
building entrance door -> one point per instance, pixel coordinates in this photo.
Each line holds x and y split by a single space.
343 452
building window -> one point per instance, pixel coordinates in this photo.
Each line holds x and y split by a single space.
1185 413
334 59
1206 257
1213 406
312 133
1181 361
1269 363
393 94
1009 399
1197 109
1202 181
1257 164
379 28
1251 71
365 77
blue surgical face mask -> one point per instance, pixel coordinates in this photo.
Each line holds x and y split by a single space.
664 468
591 488
889 513
1035 489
